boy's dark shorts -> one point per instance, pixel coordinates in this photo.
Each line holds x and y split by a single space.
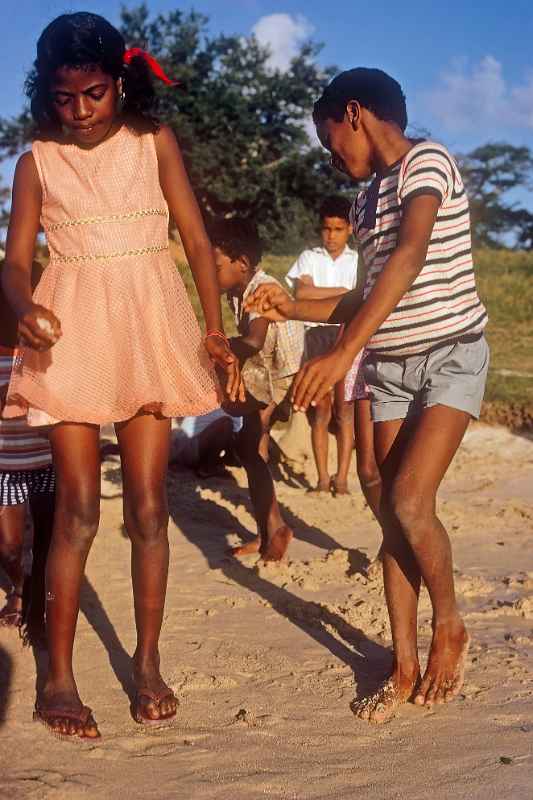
452 375
18 486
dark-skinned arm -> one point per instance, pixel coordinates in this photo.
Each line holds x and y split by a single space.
186 214
317 377
306 290
252 343
38 326
276 305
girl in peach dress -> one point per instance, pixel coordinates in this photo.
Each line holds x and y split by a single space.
109 335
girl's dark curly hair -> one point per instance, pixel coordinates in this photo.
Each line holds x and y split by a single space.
81 41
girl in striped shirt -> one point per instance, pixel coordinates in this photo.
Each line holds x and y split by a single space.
422 323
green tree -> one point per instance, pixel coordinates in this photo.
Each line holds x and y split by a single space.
490 173
240 124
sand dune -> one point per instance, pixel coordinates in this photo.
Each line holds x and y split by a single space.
265 659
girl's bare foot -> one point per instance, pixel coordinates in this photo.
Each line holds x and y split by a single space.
382 706
338 487
445 670
322 487
275 546
154 701
247 549
62 712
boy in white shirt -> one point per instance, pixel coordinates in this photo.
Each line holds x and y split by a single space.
319 273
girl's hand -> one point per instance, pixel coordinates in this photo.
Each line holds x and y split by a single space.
221 355
39 328
318 377
271 301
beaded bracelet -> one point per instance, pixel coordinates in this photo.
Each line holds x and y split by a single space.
219 334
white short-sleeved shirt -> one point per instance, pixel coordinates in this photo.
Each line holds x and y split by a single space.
325 271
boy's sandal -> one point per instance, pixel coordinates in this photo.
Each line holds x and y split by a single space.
85 715
154 697
11 619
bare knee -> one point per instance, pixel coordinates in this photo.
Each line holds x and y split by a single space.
146 519
76 519
322 413
10 552
344 414
412 512
368 472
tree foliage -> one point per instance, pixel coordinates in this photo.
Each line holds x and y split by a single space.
491 172
242 129
240 123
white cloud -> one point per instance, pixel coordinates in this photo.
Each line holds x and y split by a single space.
468 98
283 34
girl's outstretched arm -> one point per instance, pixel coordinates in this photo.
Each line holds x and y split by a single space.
275 304
38 327
186 214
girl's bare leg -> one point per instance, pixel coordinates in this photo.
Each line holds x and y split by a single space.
144 446
12 519
76 455
274 534
367 469
367 465
413 460
320 419
344 415
427 456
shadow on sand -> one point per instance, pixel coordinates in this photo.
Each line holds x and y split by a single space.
370 661
6 670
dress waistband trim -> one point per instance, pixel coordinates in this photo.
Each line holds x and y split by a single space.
80 259
132 215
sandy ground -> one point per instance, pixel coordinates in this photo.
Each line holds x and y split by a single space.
266 659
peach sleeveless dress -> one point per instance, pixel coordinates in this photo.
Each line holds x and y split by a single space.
130 340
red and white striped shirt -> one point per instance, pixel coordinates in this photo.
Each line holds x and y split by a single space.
442 304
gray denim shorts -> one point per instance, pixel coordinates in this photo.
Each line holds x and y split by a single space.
453 375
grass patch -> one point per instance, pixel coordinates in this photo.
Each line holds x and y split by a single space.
505 284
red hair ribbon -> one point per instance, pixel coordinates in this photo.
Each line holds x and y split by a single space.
154 65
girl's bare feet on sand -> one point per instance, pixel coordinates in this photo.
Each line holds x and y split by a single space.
275 546
322 487
445 671
337 487
382 706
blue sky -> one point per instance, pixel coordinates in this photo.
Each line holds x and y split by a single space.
465 65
